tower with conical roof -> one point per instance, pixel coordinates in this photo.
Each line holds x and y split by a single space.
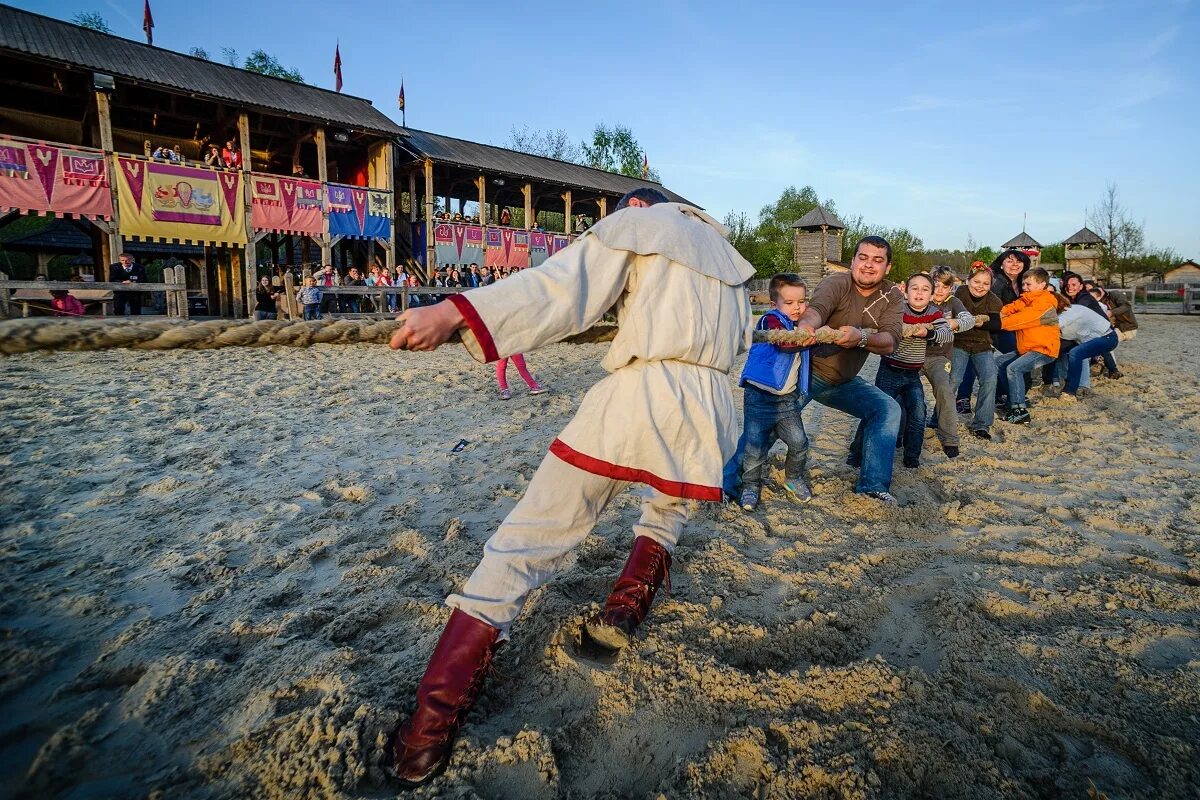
817 248
1026 244
1084 252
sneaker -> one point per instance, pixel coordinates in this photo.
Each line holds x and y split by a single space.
951 450
749 500
962 406
798 489
912 463
982 433
1052 390
505 394
1115 374
886 498
1018 416
537 388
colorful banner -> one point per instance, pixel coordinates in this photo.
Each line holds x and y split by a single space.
537 248
185 204
286 205
458 244
359 213
507 247
36 177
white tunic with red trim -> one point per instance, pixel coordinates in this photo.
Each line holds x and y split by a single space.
665 414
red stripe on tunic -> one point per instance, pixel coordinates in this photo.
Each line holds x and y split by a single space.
688 491
475 323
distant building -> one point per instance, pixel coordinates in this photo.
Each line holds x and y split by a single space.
1187 272
817 249
1084 251
1026 244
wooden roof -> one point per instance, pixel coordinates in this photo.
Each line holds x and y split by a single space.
818 217
1022 240
36 36
1084 235
499 161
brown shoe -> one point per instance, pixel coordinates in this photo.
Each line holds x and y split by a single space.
648 565
420 748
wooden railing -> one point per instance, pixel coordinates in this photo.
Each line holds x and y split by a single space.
173 286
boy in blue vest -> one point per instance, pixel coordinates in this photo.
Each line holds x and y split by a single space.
775 379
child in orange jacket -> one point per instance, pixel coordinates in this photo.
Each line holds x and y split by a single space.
1034 317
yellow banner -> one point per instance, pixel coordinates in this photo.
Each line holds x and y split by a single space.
184 203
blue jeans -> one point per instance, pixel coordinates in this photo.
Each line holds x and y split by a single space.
904 386
768 417
1110 363
1081 355
880 416
1005 342
984 366
1015 368
312 311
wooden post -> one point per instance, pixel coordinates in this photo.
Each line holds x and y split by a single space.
430 249
237 290
404 298
412 196
289 290
181 297
222 283
3 295
389 178
169 277
323 176
567 206
481 184
104 118
603 201
251 265
527 190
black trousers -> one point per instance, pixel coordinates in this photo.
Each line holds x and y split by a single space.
127 303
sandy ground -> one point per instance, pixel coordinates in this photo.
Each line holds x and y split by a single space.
222 575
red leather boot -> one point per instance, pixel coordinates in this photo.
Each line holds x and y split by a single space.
632 594
420 748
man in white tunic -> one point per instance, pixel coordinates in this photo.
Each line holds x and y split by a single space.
664 417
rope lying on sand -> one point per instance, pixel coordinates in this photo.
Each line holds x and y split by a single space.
39 333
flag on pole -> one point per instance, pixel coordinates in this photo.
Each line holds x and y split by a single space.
645 166
400 99
148 23
337 64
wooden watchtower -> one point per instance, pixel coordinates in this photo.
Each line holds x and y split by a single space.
1083 252
1026 244
817 249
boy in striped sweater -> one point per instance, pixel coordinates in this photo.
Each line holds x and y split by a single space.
899 374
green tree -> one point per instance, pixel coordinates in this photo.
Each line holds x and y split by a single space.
200 52
616 149
549 144
264 63
1054 253
231 57
92 21
1125 240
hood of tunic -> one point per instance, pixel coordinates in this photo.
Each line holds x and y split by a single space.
682 233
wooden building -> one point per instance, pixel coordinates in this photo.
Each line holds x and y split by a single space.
1026 244
83 112
1187 272
1084 251
817 246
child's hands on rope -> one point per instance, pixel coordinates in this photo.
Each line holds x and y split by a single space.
427 328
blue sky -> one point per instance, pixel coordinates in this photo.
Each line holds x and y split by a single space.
941 117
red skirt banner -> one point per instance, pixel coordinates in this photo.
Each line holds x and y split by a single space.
507 247
286 205
40 178
537 248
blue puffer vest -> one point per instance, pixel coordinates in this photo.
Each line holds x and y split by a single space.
769 366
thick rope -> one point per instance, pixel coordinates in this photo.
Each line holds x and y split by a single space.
42 333
821 335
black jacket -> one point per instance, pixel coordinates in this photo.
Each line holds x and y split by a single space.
118 274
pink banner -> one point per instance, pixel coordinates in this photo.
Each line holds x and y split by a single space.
41 178
286 205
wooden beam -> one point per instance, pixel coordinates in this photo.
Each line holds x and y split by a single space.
223 308
527 190
567 205
412 196
323 177
389 179
603 203
251 251
104 122
430 249
481 184
237 289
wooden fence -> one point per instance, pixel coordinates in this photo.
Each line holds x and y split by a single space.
29 293
377 294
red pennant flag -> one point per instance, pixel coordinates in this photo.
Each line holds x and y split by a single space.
337 64
148 24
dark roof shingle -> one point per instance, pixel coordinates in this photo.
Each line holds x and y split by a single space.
489 158
42 37
818 217
1084 236
1023 239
